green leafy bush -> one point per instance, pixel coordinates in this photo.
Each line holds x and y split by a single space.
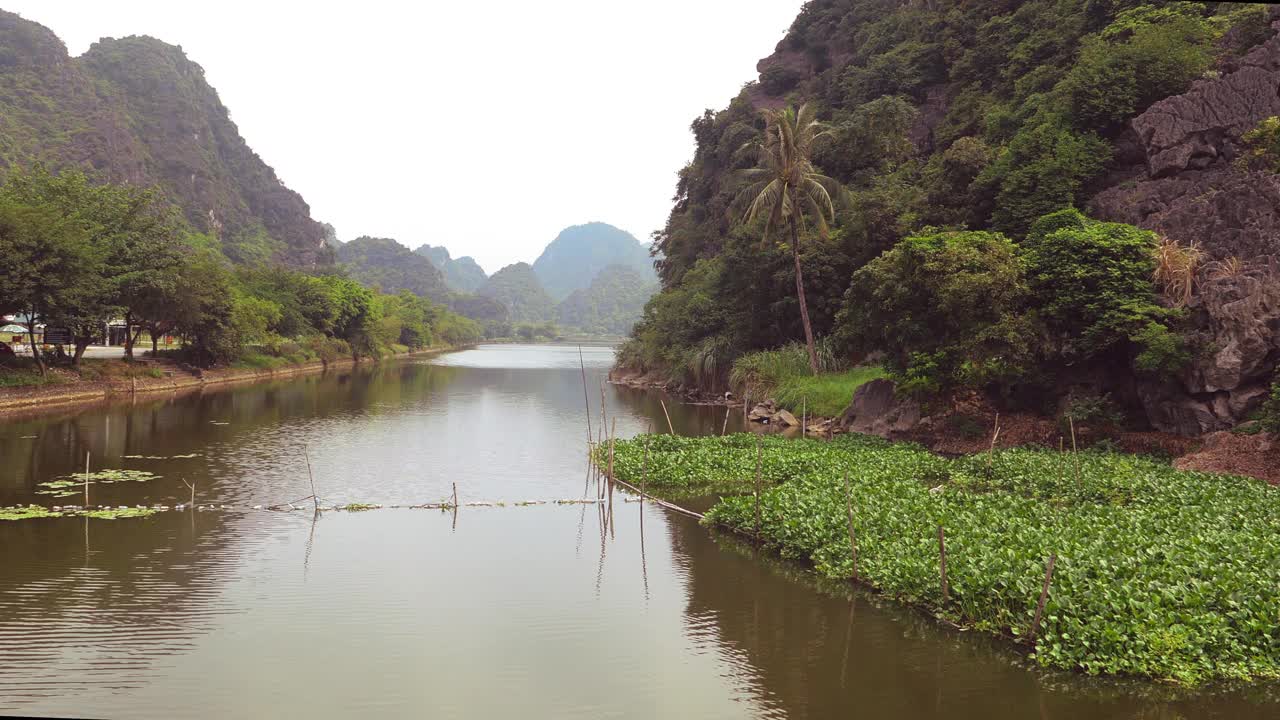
945 306
1093 281
1160 573
1270 416
1262 147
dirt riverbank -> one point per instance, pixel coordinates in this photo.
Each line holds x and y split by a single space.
163 376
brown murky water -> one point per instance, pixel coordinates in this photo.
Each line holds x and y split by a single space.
532 612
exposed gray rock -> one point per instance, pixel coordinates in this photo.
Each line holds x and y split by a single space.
875 409
783 417
1192 192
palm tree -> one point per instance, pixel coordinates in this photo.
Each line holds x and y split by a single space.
787 188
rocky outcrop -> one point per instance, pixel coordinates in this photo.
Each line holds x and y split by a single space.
1191 191
877 410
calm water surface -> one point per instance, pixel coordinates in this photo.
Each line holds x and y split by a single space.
506 612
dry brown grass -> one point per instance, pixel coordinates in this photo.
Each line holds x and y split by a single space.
1175 272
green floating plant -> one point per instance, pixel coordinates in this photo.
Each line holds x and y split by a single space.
1159 573
70 485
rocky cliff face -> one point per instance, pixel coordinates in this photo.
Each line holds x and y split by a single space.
138 110
1187 187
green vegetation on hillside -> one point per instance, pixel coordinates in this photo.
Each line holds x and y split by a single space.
462 274
386 264
517 288
611 305
138 110
1158 572
80 254
962 134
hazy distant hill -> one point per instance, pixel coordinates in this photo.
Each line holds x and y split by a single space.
137 110
518 289
611 305
580 252
391 266
462 274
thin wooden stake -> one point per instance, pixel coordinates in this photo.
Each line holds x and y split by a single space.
86 480
1075 452
942 564
455 496
613 433
995 435
1044 595
670 429
853 542
759 468
804 416
586 401
725 430
192 486
644 473
315 500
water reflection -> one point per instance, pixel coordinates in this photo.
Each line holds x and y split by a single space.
615 609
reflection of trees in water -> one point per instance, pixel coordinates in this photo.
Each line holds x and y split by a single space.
193 423
88 603
815 656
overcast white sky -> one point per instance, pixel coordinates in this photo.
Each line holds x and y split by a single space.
483 126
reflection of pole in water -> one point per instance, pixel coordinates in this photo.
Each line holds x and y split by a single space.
848 639
311 536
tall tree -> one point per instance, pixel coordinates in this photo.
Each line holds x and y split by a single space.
787 189
48 260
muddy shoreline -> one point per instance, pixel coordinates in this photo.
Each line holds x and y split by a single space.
19 403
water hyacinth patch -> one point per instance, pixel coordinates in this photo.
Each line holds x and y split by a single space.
70 485
1160 573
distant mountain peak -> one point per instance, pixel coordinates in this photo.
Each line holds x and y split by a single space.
138 110
462 274
580 252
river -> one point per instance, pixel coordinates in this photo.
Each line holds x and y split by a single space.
539 611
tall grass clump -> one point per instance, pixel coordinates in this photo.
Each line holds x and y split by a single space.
1159 573
784 375
1175 269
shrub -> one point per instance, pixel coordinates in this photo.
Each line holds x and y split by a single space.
1261 147
947 308
1270 417
1094 281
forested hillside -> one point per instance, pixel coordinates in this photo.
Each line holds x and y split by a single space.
390 266
611 305
580 252
992 117
137 110
517 288
461 274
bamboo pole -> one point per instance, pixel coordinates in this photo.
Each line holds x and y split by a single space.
670 429
759 468
1075 451
315 500
804 416
1044 595
613 434
942 564
853 542
644 472
86 480
586 401
725 429
192 487
455 496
